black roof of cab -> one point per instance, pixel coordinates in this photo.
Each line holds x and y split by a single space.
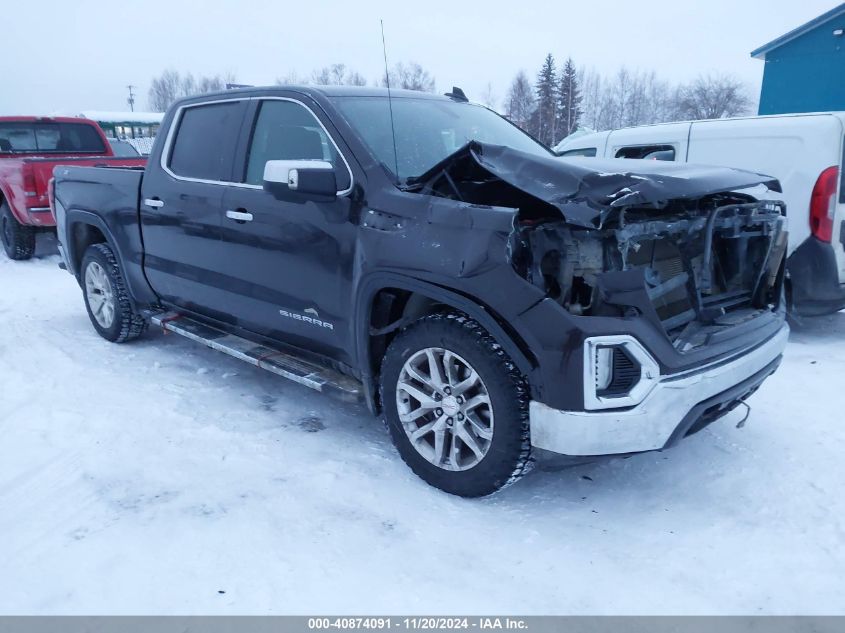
315 92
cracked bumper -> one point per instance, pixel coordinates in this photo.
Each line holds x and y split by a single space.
676 405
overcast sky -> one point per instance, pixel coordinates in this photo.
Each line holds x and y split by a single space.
73 56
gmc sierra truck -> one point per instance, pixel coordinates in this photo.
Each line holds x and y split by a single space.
30 147
422 255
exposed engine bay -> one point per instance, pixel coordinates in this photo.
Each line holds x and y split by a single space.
672 242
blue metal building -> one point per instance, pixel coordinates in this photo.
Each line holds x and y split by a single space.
805 68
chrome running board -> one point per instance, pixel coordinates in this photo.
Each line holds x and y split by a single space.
280 363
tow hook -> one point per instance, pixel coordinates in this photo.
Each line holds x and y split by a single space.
744 419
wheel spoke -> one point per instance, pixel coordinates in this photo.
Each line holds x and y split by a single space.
415 414
477 401
434 370
449 368
455 451
466 383
439 446
414 373
480 429
425 429
96 302
468 439
424 399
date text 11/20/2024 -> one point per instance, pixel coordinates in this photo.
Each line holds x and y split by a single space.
418 623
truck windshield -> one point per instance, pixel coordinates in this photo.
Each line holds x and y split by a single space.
49 138
428 130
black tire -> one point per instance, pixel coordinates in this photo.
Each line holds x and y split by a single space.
508 456
18 240
126 324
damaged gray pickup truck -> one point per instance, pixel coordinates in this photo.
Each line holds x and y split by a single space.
424 256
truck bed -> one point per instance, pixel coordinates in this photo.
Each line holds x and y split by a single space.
109 199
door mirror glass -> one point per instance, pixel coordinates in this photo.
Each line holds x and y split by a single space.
298 179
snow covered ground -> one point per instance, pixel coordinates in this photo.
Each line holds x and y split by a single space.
163 477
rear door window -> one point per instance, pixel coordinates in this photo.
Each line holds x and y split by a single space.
205 141
648 152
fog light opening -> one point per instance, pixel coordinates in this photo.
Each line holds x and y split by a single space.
619 372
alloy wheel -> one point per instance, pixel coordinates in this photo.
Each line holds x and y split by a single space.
445 409
98 290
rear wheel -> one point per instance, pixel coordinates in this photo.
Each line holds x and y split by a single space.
456 406
18 240
106 298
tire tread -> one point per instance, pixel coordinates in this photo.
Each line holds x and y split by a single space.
132 324
23 237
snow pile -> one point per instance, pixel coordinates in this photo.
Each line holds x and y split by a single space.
144 145
143 118
163 477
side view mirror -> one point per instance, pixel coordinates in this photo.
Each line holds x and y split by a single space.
300 179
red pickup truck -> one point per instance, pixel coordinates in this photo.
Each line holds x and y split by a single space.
29 149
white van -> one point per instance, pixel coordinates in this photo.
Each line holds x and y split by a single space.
805 152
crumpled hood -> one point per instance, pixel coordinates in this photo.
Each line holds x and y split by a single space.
585 190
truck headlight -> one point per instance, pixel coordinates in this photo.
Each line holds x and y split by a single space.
618 372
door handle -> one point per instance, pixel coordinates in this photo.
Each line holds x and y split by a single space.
155 203
239 216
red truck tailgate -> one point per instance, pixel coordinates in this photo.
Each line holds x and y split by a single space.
39 171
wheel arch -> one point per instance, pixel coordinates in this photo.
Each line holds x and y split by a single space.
388 302
6 197
85 228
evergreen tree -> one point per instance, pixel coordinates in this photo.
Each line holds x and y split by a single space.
545 116
519 106
568 102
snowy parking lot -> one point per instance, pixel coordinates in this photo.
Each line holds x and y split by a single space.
163 477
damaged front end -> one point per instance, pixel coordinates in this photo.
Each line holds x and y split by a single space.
698 267
675 244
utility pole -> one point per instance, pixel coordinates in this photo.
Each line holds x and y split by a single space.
131 99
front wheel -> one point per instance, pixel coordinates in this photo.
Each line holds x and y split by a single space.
456 406
18 239
106 297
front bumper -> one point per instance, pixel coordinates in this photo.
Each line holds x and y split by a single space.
673 407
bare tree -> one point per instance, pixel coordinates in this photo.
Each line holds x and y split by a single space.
591 98
519 104
713 97
355 79
410 77
626 98
489 96
337 75
291 78
164 90
172 85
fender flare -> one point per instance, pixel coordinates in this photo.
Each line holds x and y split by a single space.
367 291
80 216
